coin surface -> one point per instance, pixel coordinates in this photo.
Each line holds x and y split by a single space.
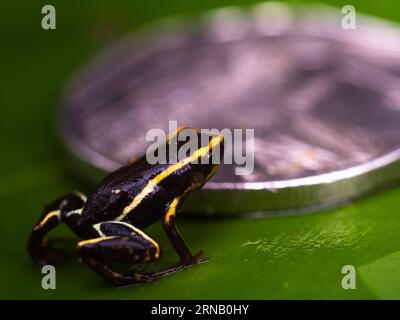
324 103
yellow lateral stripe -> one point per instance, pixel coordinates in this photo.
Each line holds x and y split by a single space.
56 213
167 172
95 240
172 209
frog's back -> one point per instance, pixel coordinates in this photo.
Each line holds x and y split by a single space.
117 190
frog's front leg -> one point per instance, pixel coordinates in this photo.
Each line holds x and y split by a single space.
121 242
187 259
65 209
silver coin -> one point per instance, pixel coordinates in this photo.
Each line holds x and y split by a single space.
324 103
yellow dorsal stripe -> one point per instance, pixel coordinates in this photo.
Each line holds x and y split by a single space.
167 172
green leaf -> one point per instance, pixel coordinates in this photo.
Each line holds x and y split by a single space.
383 276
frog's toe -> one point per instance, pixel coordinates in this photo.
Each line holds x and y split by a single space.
196 259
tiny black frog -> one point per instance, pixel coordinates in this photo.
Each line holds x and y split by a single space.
111 220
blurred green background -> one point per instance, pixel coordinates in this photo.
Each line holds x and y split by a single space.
288 257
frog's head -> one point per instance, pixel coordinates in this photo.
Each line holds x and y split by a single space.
204 160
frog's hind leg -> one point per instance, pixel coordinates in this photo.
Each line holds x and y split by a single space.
65 209
122 242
